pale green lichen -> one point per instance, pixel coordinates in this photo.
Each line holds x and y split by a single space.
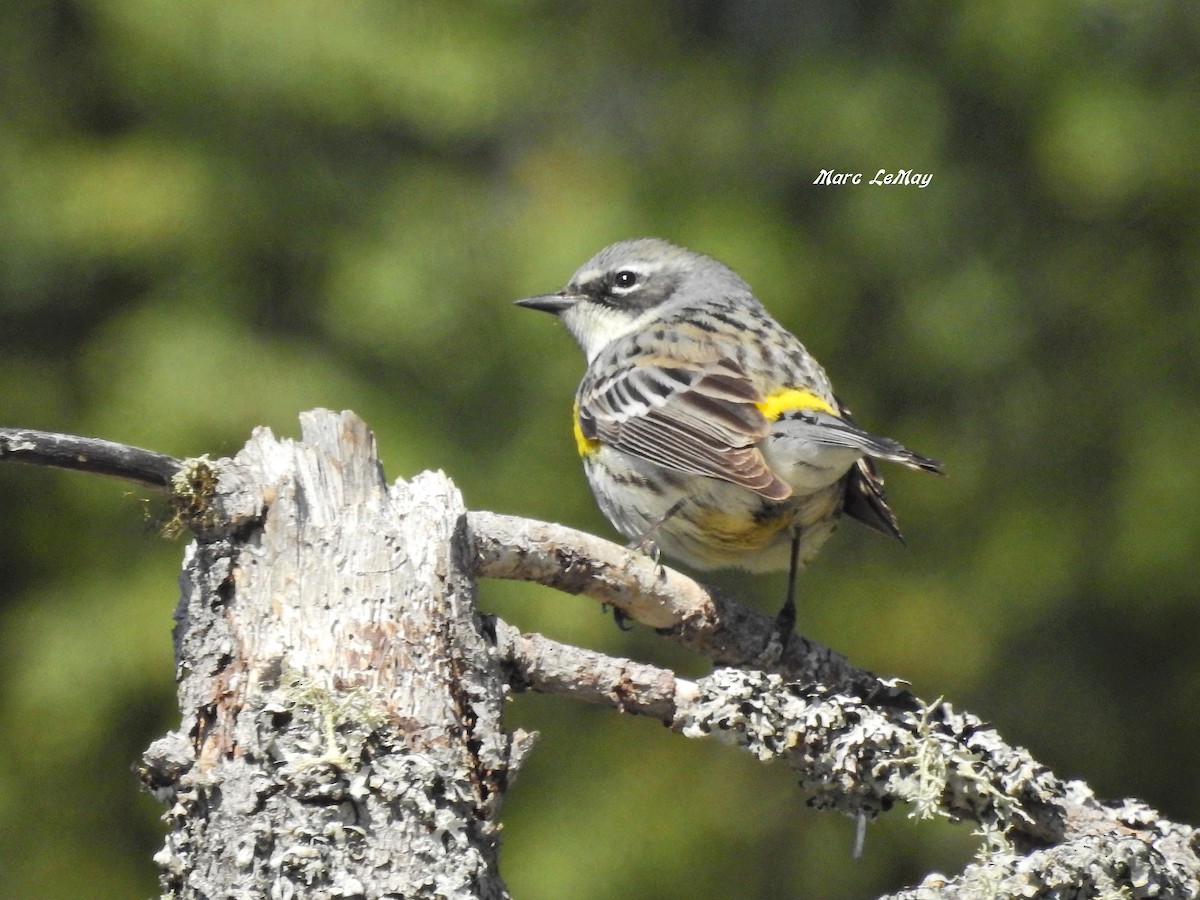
345 720
937 765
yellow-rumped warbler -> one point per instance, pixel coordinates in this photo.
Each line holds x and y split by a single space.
706 426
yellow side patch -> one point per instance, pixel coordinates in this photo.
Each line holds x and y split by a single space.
788 399
584 444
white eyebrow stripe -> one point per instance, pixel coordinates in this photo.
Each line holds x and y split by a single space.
639 268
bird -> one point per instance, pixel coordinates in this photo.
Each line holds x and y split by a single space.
707 431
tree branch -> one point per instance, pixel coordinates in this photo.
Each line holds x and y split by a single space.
320 714
719 628
1040 833
539 663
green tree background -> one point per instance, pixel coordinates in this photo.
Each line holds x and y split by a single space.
214 215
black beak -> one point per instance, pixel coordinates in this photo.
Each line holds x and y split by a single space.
551 303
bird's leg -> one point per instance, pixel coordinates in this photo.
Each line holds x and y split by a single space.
645 540
645 543
785 620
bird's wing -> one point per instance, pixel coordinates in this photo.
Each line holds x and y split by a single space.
700 418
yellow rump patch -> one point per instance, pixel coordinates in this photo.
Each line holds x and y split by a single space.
788 399
742 532
584 444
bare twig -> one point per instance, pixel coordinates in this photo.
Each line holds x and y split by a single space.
536 662
84 454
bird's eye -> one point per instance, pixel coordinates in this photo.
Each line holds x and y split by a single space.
625 279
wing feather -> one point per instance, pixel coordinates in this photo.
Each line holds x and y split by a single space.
675 415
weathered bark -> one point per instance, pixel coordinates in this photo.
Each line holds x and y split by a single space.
340 731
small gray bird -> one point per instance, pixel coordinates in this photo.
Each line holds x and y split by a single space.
704 425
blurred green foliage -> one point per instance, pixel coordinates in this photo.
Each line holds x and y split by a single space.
217 214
